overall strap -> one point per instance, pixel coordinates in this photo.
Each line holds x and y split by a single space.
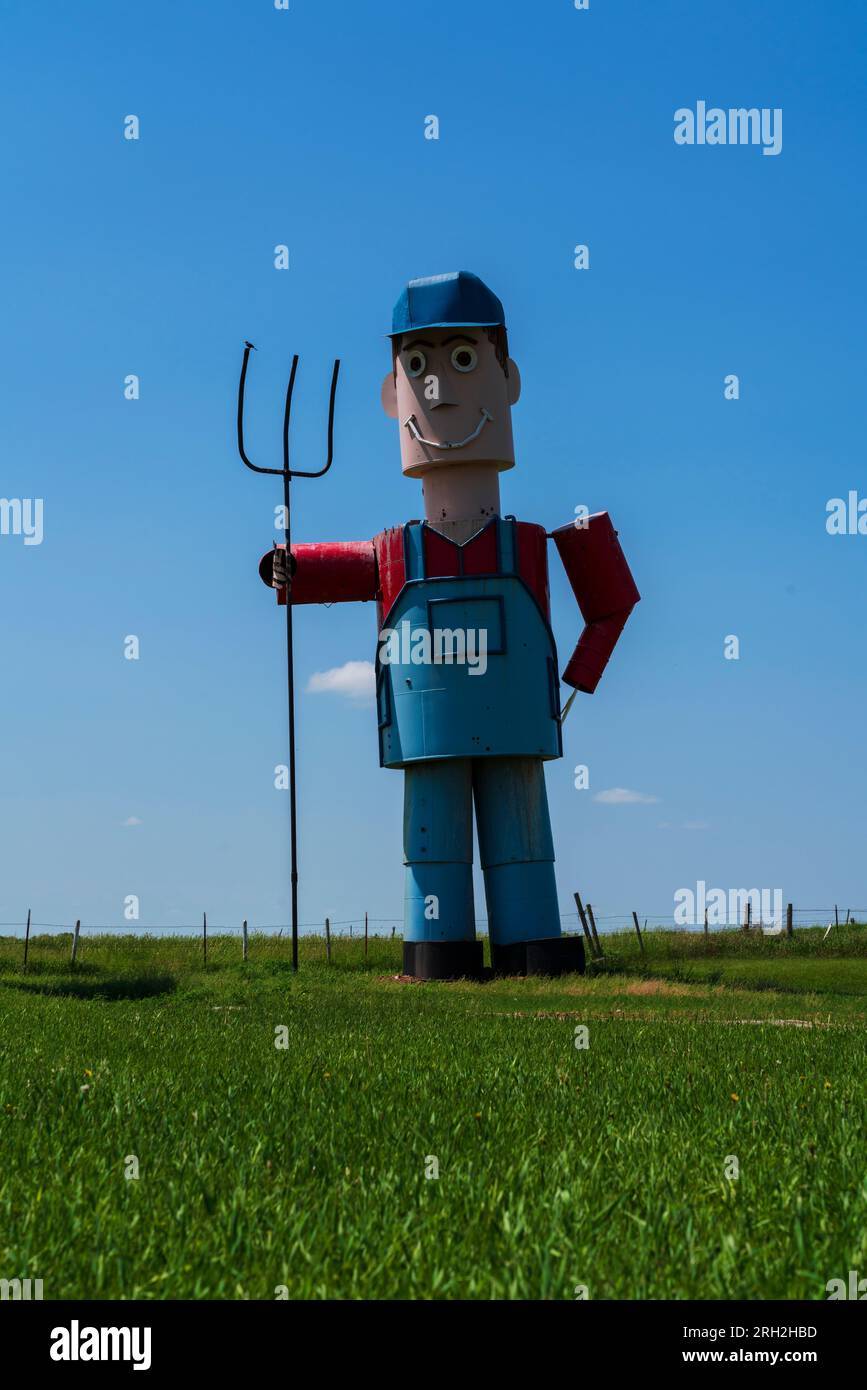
507 544
413 551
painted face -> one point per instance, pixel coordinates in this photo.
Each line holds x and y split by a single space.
452 400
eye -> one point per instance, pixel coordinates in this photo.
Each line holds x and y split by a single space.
415 363
464 358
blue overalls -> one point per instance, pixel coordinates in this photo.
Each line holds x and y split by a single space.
461 736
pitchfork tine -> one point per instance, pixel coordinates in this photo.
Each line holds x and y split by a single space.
285 470
297 473
248 348
287 412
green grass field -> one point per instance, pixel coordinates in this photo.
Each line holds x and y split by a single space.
305 1166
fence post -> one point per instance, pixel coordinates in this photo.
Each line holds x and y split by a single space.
706 932
75 943
748 914
788 919
205 938
365 936
27 940
593 929
246 944
836 916
582 914
638 931
327 941
350 931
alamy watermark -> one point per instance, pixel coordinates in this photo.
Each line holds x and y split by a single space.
77 1343
846 516
856 1288
739 125
727 907
441 646
22 516
16 1289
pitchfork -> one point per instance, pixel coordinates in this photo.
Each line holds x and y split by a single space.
286 473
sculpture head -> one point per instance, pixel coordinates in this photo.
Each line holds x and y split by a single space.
452 384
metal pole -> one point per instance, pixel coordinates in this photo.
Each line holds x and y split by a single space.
286 474
27 939
246 947
204 938
290 683
75 943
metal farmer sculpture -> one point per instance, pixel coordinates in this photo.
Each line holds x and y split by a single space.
468 580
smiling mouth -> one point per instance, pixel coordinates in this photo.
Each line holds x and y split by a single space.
412 425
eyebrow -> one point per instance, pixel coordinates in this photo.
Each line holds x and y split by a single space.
459 338
419 342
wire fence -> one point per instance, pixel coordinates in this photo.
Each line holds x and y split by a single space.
606 924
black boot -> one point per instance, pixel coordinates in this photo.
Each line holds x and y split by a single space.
443 960
549 955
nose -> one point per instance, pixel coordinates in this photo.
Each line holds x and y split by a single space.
446 393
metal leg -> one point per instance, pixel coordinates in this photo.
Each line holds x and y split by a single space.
517 855
439 917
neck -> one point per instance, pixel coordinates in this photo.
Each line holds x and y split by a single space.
459 498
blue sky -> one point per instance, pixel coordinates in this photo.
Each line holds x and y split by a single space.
155 257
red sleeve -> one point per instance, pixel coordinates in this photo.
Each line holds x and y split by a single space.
605 590
327 572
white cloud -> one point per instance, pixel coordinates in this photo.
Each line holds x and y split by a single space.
131 820
355 680
622 796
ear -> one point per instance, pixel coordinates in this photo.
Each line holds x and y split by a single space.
389 396
514 383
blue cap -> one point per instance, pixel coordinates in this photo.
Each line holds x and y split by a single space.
459 299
